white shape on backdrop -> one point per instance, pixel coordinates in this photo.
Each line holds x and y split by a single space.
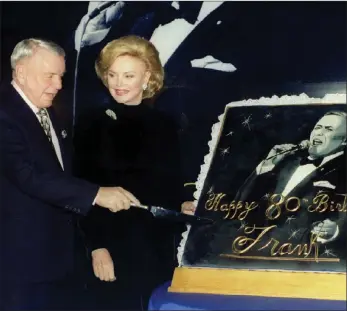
96 24
209 62
178 30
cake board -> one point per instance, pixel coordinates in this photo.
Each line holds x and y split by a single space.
247 130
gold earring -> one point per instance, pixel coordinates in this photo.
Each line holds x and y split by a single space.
144 87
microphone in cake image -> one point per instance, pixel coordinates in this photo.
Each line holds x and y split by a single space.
279 153
288 149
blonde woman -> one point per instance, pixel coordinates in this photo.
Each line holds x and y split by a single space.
131 144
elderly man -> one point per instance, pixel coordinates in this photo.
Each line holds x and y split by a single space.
39 197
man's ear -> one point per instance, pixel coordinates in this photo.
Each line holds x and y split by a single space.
20 72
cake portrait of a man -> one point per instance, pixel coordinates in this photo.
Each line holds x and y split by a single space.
310 175
276 188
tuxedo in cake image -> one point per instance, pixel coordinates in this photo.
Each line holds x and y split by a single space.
276 188
309 179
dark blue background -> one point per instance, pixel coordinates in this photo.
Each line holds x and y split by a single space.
278 47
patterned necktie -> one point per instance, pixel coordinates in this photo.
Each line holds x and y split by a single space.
44 120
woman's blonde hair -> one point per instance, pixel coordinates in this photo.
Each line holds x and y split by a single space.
137 47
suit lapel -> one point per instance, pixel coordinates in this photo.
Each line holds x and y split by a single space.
318 173
58 132
26 117
285 173
307 181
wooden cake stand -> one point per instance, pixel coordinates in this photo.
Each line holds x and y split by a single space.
312 285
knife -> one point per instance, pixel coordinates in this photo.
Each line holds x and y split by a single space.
161 212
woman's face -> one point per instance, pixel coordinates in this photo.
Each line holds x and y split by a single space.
125 78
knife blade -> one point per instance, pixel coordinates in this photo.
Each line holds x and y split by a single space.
161 212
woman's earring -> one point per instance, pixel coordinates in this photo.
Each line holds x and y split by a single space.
144 87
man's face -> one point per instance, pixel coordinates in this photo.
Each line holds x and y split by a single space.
327 136
40 76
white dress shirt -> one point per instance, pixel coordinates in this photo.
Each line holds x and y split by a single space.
300 173
178 30
35 111
303 171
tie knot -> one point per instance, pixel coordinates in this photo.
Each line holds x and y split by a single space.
42 112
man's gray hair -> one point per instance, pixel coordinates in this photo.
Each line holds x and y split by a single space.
27 47
336 113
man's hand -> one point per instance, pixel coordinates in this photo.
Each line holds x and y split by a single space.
274 158
188 207
103 265
327 231
115 198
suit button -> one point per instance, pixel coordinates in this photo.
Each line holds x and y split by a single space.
67 206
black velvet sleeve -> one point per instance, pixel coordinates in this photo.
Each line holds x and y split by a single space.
140 152
87 144
165 162
96 228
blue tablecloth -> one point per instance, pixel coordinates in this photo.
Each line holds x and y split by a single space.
161 299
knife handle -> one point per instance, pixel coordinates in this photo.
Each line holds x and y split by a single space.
140 206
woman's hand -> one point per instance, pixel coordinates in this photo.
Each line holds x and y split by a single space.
188 207
103 265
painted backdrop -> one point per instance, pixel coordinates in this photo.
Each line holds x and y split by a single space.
213 52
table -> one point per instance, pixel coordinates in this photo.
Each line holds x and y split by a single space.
161 299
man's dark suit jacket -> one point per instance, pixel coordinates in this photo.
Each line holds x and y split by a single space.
38 199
